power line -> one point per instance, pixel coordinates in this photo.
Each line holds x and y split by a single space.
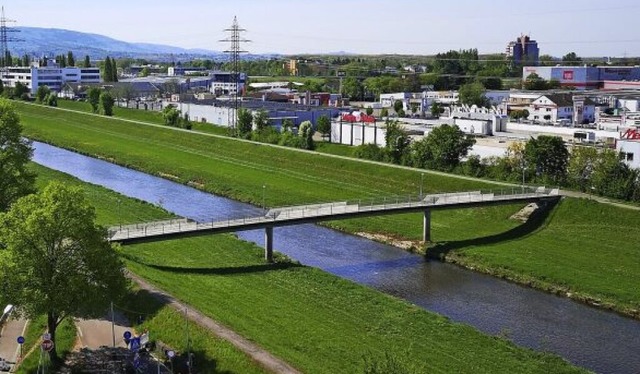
5 38
235 40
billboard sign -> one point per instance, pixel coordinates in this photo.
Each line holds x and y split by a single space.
567 75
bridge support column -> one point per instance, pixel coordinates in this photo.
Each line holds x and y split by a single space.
426 228
268 244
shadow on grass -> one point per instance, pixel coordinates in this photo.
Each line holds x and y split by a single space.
200 364
535 221
247 269
142 304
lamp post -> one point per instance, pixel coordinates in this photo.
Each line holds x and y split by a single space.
264 207
524 169
421 182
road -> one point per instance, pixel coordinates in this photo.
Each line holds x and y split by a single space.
9 348
95 333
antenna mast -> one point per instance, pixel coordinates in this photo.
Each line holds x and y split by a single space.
235 40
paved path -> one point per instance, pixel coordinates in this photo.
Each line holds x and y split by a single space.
259 355
96 333
9 348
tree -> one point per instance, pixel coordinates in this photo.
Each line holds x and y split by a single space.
87 62
535 82
287 124
107 74
324 126
612 177
306 134
145 72
398 105
473 94
114 70
571 59
26 60
384 113
442 149
171 115
581 167
548 157
369 110
20 90
353 88
436 109
397 141
41 93
93 96
71 61
261 120
57 260
106 103
51 99
16 180
245 119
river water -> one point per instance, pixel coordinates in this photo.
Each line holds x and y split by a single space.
595 339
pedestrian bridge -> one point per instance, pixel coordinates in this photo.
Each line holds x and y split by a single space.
294 215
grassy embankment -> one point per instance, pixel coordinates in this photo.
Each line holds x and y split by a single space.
314 320
164 322
551 253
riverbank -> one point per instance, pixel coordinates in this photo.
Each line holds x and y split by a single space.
314 320
239 170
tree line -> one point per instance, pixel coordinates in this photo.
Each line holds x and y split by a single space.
543 160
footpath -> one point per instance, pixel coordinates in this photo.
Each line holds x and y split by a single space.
259 355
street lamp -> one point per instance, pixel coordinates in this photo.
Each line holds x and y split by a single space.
421 182
264 207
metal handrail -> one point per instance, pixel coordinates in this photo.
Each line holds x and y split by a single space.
329 209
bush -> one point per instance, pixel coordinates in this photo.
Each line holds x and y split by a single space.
370 152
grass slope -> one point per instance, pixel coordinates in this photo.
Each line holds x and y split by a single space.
317 321
239 170
584 248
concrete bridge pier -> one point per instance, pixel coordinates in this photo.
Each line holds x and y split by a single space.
268 244
426 226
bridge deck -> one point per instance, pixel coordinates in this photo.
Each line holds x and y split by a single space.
323 212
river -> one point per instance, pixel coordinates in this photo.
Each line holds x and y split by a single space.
599 340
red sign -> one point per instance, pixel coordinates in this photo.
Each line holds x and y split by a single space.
47 345
567 75
631 134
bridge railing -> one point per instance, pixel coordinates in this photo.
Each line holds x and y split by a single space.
330 209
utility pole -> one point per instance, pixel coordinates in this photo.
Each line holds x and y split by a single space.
235 40
113 327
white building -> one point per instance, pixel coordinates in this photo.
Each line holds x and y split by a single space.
629 147
554 107
52 76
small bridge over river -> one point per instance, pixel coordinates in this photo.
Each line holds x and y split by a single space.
295 215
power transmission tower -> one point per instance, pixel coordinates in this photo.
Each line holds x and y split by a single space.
5 38
235 40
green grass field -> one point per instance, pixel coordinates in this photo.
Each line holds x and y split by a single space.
314 320
482 238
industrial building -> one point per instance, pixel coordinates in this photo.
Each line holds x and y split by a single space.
52 76
584 77
629 147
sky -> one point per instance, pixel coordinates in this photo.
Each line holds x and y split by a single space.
422 27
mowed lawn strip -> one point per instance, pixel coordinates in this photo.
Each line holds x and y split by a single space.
239 170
